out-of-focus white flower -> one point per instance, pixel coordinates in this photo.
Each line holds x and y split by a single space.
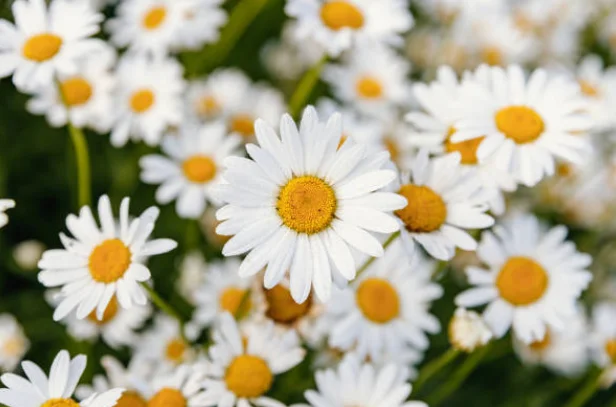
5 204
28 253
13 342
603 340
467 331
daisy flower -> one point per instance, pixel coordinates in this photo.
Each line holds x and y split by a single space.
202 22
83 98
244 365
28 253
354 383
338 24
56 391
372 78
603 339
564 352
442 201
5 204
386 309
97 264
521 124
193 269
13 342
176 389
46 40
301 202
533 280
191 166
149 99
467 331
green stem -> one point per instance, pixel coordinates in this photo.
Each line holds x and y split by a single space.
165 307
433 367
586 392
372 259
304 88
83 164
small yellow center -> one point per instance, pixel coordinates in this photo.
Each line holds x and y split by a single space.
207 106
60 403
467 148
392 147
231 301
378 300
519 123
13 346
109 261
42 47
588 88
199 169
425 211
131 399
110 312
522 281
168 397
243 124
339 14
542 345
248 376
142 100
75 91
307 204
154 17
610 349
369 87
175 350
492 56
282 308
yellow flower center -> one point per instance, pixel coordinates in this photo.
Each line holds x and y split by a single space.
369 87
207 106
248 376
588 88
307 204
542 345
467 148
610 349
339 14
42 47
109 261
199 169
425 211
142 100
392 148
60 403
154 17
519 123
231 301
282 308
75 91
131 399
168 397
378 300
522 281
492 56
175 350
13 346
110 312
243 124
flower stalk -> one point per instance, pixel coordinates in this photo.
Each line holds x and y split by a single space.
83 165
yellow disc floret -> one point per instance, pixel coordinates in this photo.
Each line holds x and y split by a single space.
242 124
60 403
368 87
175 350
425 210
131 399
110 312
522 281
610 349
466 148
142 100
168 397
109 261
41 47
339 14
378 300
75 91
231 301
307 204
154 17
519 123
199 169
282 308
248 376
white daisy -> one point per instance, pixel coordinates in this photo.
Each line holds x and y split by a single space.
46 40
176 389
372 78
244 364
338 24
603 339
5 204
467 331
202 22
358 384
191 167
533 280
97 264
301 202
149 99
386 310
28 253
83 98
56 391
13 342
442 201
521 124
598 85
193 269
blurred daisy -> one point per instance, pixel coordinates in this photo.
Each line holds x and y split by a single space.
372 78
564 352
40 391
201 25
354 383
467 331
83 98
28 253
191 167
598 86
533 280
46 40
5 204
387 309
13 342
175 389
149 99
521 126
97 264
603 340
301 202
442 201
244 365
338 24
193 269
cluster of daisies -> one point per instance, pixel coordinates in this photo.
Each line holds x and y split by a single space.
337 221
